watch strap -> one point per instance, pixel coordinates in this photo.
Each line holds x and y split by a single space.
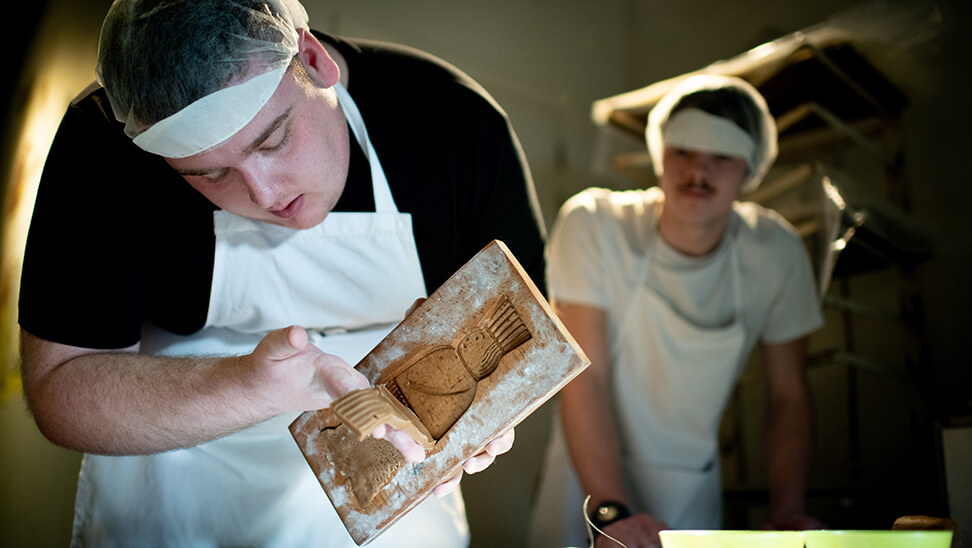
609 512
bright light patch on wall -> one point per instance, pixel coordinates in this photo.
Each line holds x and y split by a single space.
41 115
63 75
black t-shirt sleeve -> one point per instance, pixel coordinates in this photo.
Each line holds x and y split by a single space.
114 239
74 234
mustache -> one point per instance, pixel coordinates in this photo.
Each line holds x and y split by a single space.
699 184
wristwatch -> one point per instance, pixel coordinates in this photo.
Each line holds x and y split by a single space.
609 512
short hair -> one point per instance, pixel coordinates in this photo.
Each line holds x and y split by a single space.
157 56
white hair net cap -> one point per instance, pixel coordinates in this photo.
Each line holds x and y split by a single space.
185 75
765 151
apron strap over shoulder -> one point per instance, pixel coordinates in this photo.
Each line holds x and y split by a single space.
384 203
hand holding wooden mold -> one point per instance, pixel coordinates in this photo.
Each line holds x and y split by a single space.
476 358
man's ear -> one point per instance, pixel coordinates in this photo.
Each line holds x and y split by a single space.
321 68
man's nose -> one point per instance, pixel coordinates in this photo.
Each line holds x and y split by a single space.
700 165
262 188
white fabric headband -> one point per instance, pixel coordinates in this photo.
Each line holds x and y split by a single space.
210 120
696 129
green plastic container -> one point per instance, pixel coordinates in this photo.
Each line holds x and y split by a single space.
878 539
731 539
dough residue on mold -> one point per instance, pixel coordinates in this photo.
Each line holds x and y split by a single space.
366 465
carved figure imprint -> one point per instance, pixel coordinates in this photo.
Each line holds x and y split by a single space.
426 396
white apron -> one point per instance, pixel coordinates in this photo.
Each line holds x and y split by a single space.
671 381
349 281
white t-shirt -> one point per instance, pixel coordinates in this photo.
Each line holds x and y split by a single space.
600 237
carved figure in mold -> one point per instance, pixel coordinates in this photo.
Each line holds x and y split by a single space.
440 384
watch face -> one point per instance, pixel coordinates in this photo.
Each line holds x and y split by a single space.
607 513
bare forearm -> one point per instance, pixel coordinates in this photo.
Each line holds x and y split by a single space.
592 439
128 403
789 433
123 402
588 420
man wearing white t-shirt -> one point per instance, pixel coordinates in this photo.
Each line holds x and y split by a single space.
668 290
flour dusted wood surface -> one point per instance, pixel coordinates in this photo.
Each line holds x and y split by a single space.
476 358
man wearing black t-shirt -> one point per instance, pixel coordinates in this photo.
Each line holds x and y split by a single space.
171 331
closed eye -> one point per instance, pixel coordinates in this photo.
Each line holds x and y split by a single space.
260 143
284 139
217 177
209 175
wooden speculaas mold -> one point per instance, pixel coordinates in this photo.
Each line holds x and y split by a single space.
476 358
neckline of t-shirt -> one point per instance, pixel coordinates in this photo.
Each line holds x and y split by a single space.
672 259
